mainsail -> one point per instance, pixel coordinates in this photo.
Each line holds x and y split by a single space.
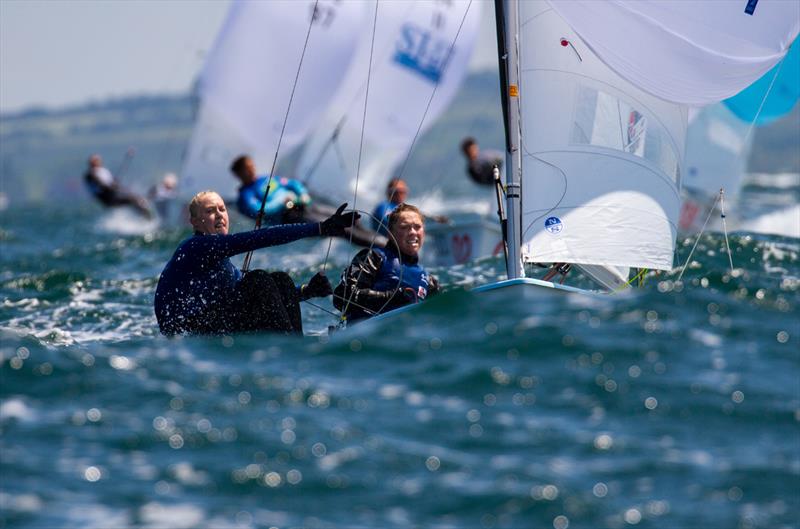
420 48
600 157
247 81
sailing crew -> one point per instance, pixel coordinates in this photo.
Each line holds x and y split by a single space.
287 199
480 165
396 194
382 279
108 191
201 292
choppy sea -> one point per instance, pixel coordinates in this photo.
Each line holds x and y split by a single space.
676 405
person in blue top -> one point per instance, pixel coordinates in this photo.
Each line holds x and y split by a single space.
396 194
201 292
286 201
381 279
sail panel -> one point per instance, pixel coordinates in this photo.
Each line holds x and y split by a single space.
694 52
248 77
410 60
601 158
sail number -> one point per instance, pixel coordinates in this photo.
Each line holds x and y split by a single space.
420 51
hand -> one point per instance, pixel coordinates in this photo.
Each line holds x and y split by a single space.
317 287
337 222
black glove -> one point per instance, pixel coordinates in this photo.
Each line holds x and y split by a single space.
317 287
336 223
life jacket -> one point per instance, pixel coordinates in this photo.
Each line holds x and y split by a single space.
394 274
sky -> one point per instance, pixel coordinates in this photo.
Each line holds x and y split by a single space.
56 53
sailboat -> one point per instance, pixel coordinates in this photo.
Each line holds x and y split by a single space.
721 136
596 98
260 66
399 83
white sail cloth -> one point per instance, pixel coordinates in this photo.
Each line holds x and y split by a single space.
411 59
247 81
687 51
600 157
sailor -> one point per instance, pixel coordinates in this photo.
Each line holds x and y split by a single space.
480 165
201 292
163 195
396 194
381 279
286 201
106 189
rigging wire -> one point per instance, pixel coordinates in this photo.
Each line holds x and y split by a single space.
699 235
725 226
260 216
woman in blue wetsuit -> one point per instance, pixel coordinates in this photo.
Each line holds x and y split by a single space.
382 279
201 292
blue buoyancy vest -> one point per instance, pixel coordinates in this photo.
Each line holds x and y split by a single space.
393 273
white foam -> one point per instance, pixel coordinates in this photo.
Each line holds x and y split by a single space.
178 516
127 222
16 409
785 221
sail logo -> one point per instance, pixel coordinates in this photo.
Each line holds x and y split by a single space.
553 224
422 53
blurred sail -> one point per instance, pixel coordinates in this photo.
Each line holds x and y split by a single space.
421 48
247 81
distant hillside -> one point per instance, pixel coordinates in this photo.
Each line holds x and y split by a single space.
43 153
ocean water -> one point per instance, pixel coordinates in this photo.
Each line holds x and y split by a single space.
676 405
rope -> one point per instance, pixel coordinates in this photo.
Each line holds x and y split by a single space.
699 235
725 226
249 255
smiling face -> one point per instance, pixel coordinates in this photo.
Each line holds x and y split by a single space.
409 231
209 214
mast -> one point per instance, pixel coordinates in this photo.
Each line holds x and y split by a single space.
506 15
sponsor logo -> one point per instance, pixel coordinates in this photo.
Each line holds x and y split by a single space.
462 248
553 224
421 52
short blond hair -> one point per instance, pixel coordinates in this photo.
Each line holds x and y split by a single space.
194 204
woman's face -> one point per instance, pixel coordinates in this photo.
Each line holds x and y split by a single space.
409 231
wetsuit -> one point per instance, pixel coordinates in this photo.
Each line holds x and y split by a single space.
281 191
201 292
381 213
481 169
104 187
380 280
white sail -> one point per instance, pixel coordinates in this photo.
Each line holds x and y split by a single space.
411 59
247 81
687 51
600 157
